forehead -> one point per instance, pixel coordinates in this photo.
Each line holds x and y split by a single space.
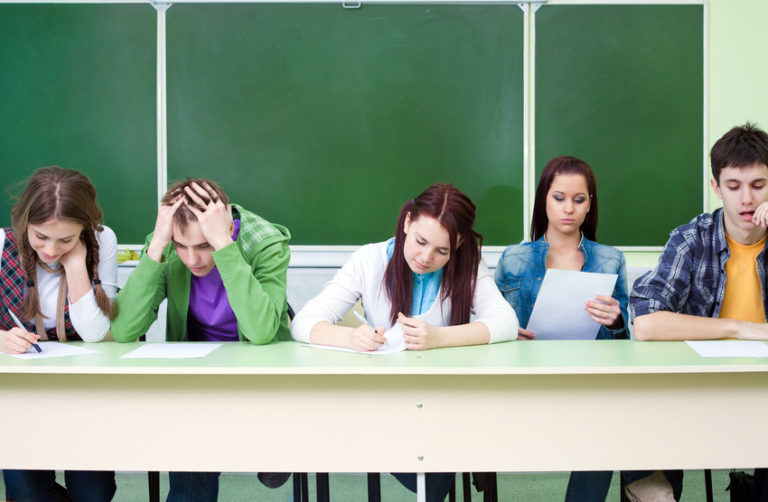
431 229
570 182
744 174
57 229
191 235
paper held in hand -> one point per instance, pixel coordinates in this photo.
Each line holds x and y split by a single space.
559 312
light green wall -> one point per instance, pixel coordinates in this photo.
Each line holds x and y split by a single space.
738 75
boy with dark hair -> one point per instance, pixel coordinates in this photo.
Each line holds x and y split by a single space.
710 281
223 270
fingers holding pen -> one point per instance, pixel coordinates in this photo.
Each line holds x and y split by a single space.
367 339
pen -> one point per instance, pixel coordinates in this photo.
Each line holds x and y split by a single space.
362 319
18 323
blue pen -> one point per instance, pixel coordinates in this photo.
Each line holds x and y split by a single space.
18 323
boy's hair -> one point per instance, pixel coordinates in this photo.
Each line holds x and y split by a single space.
742 146
183 215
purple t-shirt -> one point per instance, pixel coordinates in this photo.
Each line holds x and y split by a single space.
210 318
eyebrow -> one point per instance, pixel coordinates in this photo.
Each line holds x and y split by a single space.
735 180
204 243
426 240
563 193
48 236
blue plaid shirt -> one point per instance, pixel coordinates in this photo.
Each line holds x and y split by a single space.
690 276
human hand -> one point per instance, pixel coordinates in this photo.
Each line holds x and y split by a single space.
524 334
17 341
74 259
417 334
604 310
760 217
365 339
163 232
214 216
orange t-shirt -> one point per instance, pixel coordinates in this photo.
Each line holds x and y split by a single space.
743 298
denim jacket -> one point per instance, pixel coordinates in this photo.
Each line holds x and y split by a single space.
522 267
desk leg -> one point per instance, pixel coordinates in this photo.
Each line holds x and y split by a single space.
421 487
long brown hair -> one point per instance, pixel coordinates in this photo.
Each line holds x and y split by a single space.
564 165
63 194
456 213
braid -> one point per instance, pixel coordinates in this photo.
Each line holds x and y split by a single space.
92 264
31 305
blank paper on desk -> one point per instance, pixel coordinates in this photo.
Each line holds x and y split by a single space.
559 312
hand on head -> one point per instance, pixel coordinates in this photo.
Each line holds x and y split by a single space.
75 257
163 232
214 216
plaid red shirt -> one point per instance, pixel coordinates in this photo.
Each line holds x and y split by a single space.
13 282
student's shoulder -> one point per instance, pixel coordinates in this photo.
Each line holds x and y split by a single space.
371 253
603 252
520 255
702 232
257 232
106 236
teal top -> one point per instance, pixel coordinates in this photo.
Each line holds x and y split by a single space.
425 286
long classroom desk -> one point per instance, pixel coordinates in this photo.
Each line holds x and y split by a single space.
516 406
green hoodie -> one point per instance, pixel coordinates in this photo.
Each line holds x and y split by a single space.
253 270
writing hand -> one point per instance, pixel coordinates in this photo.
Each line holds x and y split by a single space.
17 341
365 339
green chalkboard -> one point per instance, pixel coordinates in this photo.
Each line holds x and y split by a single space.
77 89
622 88
328 119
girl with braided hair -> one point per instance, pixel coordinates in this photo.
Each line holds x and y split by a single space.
58 275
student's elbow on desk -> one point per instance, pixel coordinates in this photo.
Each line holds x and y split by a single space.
645 327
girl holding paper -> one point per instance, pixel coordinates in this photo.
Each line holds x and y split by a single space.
429 279
563 237
58 272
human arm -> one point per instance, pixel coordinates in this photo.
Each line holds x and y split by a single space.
139 300
508 282
665 325
364 338
611 311
316 321
90 323
495 321
420 335
666 304
16 340
257 290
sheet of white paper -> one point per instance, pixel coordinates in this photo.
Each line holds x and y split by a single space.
729 348
172 350
53 349
395 343
559 313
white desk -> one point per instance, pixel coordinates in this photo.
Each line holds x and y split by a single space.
541 406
